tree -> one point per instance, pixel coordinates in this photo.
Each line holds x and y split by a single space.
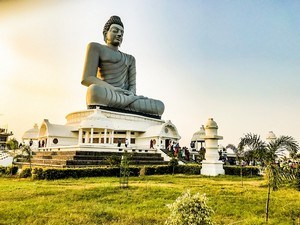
268 153
124 170
12 144
239 153
28 153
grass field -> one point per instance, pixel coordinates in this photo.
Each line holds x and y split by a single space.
102 201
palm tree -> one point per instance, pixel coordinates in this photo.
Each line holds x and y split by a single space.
239 153
268 153
28 153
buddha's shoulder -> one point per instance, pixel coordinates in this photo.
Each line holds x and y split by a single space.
95 45
128 56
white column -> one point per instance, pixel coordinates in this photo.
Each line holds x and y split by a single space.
159 143
80 136
48 142
128 136
92 135
100 136
86 137
105 135
112 136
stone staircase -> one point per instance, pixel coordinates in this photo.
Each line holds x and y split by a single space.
74 159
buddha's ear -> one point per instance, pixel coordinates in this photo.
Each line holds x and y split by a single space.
104 36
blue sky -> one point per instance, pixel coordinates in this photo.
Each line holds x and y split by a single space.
234 61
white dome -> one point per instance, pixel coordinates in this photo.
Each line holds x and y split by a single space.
96 120
211 124
199 135
271 136
31 133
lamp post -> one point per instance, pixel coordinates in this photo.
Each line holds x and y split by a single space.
212 166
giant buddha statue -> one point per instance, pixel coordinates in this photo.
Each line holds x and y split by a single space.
110 75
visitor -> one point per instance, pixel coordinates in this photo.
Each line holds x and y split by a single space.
187 153
151 143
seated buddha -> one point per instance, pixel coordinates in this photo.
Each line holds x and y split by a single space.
110 75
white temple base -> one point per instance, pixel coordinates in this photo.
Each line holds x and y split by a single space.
212 168
101 130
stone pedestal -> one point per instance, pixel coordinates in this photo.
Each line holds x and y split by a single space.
212 166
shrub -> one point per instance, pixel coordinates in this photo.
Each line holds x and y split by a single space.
173 162
9 170
38 174
12 170
298 180
190 210
25 173
113 160
2 170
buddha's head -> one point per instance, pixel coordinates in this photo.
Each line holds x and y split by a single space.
113 31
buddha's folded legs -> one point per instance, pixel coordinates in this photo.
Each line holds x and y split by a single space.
147 105
98 95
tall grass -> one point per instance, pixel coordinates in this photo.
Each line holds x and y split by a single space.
102 201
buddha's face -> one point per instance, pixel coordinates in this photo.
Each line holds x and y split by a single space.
114 35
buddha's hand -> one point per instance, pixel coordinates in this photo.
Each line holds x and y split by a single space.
139 97
122 91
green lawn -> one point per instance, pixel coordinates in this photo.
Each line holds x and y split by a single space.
102 201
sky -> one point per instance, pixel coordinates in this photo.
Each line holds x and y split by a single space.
234 61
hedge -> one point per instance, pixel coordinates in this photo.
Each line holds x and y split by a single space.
191 169
195 169
246 170
53 174
179 169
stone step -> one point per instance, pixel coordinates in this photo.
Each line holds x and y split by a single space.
57 157
39 153
48 161
97 162
114 153
136 157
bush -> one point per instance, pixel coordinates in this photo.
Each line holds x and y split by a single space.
298 180
113 160
190 209
2 170
173 162
9 170
25 173
247 170
12 170
38 174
